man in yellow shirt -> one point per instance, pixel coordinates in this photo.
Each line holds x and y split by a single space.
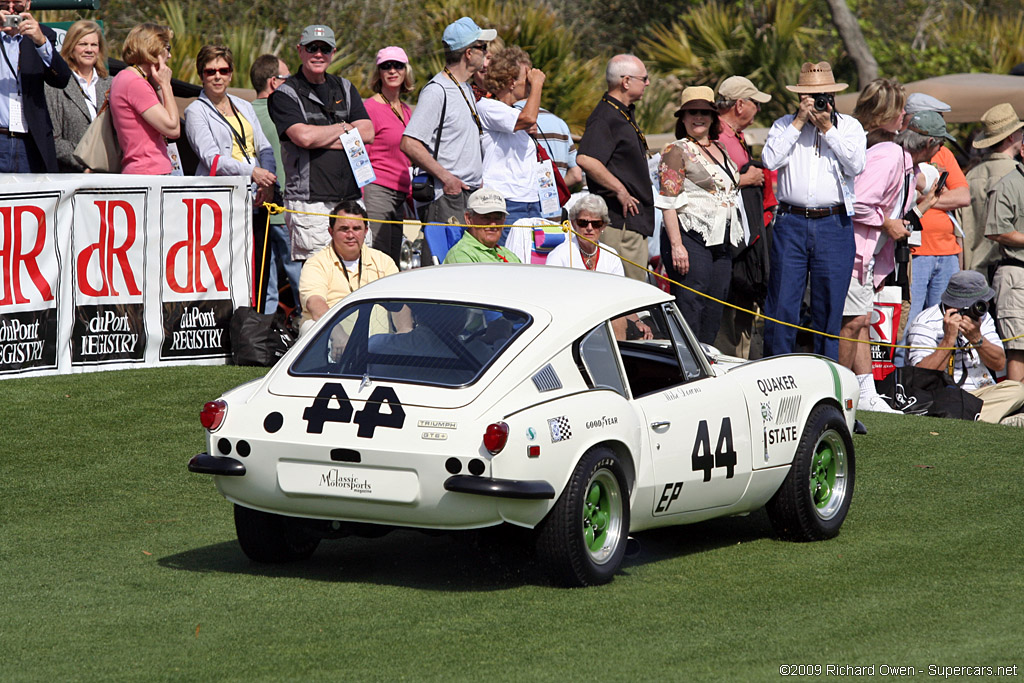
343 266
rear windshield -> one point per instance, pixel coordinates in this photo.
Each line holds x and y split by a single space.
444 344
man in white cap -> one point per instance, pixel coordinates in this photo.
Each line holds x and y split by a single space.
443 135
485 214
937 257
818 152
1000 140
312 110
1004 224
738 103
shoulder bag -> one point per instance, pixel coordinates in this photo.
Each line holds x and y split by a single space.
423 182
98 150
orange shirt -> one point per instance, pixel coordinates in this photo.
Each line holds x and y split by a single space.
938 238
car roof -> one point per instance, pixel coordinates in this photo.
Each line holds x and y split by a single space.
564 293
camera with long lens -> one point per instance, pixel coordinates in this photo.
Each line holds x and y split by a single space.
975 311
823 100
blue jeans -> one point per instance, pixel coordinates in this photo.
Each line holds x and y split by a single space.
517 210
822 248
14 155
279 253
929 276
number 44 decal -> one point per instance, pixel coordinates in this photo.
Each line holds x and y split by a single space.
724 456
368 419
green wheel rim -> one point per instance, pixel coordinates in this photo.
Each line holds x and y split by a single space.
828 476
602 516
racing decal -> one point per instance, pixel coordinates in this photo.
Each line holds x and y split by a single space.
766 412
789 408
368 419
560 429
724 455
781 435
780 383
602 421
334 479
673 394
437 424
531 433
669 495
434 436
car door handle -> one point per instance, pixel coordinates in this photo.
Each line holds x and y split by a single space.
663 424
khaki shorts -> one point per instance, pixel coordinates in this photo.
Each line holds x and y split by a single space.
308 233
1009 285
860 297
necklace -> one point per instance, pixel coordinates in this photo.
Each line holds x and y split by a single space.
395 106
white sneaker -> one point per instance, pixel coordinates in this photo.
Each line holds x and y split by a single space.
1016 420
876 404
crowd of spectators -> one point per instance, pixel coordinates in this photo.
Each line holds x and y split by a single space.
809 234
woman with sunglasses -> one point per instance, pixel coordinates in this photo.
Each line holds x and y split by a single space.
73 107
223 129
142 106
589 216
699 200
385 198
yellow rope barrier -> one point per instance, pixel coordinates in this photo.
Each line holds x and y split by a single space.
567 227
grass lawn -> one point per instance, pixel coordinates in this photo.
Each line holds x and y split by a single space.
116 563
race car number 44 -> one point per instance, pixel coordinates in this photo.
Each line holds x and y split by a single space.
362 483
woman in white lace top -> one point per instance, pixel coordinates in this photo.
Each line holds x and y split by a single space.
699 202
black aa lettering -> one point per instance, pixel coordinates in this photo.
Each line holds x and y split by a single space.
701 457
370 417
321 411
725 455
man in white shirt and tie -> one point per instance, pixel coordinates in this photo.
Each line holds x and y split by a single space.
817 153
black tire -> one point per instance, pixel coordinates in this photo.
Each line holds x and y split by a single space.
583 539
813 500
270 538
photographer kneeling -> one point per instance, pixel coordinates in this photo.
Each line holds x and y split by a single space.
961 319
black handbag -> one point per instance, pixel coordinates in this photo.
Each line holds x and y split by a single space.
423 182
930 392
258 338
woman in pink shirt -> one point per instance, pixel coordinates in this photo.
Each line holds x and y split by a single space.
385 198
142 105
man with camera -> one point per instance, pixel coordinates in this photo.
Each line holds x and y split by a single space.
818 152
961 320
29 59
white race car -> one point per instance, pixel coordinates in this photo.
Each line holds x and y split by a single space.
569 402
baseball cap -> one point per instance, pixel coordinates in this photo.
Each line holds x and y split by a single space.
929 123
740 88
919 101
464 33
392 53
317 33
486 200
966 287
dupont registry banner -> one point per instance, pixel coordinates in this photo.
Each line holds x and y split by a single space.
111 271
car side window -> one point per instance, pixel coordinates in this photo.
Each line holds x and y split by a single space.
596 355
692 367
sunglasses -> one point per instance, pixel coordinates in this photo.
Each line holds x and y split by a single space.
315 48
388 66
645 78
223 71
479 46
589 224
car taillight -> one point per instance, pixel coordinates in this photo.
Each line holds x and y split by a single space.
212 414
495 437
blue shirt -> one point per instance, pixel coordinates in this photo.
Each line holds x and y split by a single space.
9 83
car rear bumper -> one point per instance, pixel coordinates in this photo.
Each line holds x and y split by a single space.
204 463
499 488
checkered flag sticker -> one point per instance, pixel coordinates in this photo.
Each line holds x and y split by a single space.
560 429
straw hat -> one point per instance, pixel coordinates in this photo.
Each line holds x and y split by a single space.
697 97
815 78
998 123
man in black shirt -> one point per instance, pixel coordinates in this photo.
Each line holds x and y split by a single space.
312 110
613 154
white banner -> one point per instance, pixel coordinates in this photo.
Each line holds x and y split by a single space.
112 271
